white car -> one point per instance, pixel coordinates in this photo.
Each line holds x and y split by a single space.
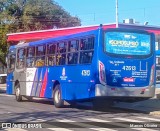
3 78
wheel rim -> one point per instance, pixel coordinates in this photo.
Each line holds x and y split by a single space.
17 91
57 96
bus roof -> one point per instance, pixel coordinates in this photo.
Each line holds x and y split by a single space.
52 33
43 34
55 39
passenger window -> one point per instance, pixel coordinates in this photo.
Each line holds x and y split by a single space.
87 44
51 48
40 50
30 60
11 62
86 50
40 55
73 52
61 53
62 47
40 61
72 58
51 60
60 59
73 46
86 57
20 58
51 57
30 51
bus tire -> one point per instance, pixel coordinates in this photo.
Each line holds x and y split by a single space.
57 97
17 93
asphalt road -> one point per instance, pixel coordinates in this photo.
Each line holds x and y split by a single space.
43 113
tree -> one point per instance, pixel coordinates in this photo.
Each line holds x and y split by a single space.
3 44
45 15
31 15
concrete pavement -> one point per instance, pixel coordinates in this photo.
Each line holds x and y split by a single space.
151 106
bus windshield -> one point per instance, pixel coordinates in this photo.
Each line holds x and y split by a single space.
125 43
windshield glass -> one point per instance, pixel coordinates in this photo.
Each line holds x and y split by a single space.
125 43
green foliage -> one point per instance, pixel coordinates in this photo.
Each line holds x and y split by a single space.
3 45
31 15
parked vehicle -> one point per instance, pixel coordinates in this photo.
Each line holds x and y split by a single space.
3 74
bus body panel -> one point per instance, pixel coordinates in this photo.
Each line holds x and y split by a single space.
126 77
39 82
76 83
9 86
81 81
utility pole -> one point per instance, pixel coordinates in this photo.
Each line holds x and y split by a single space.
116 13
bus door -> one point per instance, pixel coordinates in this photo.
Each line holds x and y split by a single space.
20 70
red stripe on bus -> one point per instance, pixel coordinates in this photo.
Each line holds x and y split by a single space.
44 83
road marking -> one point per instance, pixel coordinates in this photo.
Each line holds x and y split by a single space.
147 118
65 120
128 120
38 120
6 95
88 126
103 121
102 129
59 129
15 129
95 120
144 129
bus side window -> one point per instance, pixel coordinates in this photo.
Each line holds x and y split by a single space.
62 46
30 61
60 59
90 43
61 53
86 57
87 43
86 50
20 58
11 62
51 58
40 55
73 52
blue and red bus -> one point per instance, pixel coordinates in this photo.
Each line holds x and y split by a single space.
103 63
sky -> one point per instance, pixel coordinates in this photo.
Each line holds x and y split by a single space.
93 12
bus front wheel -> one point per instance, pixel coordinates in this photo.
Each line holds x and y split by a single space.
17 93
57 97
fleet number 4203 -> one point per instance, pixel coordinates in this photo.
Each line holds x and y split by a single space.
129 68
